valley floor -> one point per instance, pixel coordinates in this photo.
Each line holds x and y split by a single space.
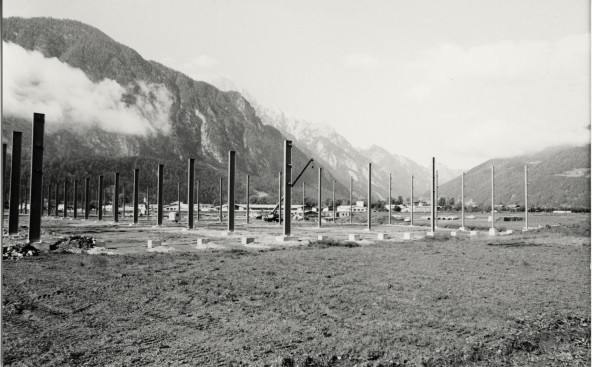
521 299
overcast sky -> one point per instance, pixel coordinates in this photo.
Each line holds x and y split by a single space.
462 80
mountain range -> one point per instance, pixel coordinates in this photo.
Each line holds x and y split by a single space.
558 177
109 109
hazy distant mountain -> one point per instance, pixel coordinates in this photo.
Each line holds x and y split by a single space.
201 121
557 177
344 160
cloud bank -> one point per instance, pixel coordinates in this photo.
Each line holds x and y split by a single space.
34 83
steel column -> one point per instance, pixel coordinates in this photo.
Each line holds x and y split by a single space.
136 193
100 197
86 197
369 196
36 177
160 199
287 187
15 182
231 172
320 205
190 183
115 203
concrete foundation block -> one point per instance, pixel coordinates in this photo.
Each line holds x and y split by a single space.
473 233
247 240
354 237
383 236
492 232
202 241
453 234
322 237
154 243
509 231
408 236
430 234
227 233
462 229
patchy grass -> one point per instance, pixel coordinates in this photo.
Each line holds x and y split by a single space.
463 302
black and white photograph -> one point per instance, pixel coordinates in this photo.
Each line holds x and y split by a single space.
296 183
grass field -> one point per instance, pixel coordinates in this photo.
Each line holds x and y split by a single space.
519 300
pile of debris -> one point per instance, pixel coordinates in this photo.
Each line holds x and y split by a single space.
18 251
74 244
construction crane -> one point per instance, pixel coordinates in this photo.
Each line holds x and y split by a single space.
273 215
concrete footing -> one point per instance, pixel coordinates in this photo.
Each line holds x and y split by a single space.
322 237
509 231
492 232
354 237
227 233
154 243
453 234
383 236
408 236
473 233
462 229
431 234
202 241
247 240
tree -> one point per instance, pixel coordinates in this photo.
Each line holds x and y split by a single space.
442 202
399 200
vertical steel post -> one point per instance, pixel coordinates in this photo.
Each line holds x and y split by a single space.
36 177
197 199
49 200
147 202
390 197
115 203
287 187
351 205
160 199
100 197
320 204
123 199
526 197
433 220
462 201
492 202
220 210
65 213
190 182
248 199
75 199
179 198
136 193
437 198
412 204
57 200
333 201
86 197
280 198
231 172
15 182
4 148
369 196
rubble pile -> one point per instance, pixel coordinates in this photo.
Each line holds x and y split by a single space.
19 250
74 244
